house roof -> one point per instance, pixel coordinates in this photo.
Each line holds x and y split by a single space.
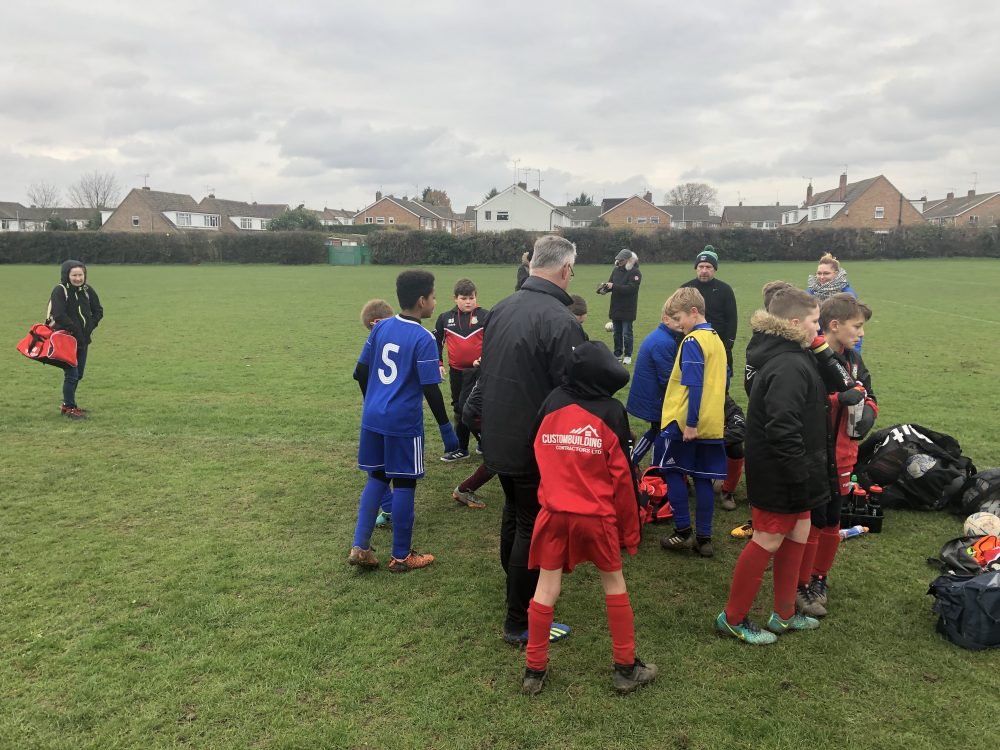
470 213
443 212
853 191
608 203
12 210
581 213
161 201
625 200
223 207
754 213
947 209
687 213
515 187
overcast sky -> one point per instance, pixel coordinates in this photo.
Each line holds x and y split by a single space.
323 103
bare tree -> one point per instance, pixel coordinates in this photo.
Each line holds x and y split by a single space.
692 194
95 190
43 194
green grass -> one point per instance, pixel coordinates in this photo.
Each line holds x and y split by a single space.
173 569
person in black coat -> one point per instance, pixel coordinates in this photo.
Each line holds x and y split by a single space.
789 463
720 301
527 347
623 285
74 307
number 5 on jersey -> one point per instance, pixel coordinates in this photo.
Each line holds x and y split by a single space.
390 376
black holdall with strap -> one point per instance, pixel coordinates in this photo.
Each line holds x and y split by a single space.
968 609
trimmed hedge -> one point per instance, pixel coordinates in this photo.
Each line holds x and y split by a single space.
414 248
292 248
733 244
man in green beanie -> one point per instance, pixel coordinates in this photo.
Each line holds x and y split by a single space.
720 301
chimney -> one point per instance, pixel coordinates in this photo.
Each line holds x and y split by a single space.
950 196
809 194
536 193
648 197
923 198
378 195
972 193
523 185
741 203
777 203
145 187
843 187
211 195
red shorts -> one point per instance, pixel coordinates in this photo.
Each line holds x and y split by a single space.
775 523
564 540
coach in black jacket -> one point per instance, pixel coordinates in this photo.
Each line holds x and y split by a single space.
720 301
527 346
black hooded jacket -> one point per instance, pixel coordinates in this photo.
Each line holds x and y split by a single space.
625 291
527 346
789 457
76 309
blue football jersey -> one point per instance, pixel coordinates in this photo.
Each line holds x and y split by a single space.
402 357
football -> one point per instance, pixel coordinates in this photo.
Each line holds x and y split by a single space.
609 326
982 524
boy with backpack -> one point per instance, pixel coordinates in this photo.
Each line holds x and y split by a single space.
842 319
788 471
589 509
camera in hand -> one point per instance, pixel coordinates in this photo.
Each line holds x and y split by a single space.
603 288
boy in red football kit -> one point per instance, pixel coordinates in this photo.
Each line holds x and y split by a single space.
460 330
788 465
588 510
842 319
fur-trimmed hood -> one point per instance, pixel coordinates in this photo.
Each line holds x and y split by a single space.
764 322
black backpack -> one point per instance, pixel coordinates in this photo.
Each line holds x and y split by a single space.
980 493
968 609
917 467
955 557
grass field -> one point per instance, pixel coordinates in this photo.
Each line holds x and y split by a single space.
172 571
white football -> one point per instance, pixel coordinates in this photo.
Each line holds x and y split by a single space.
982 524
609 326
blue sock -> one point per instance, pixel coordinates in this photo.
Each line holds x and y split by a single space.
371 496
402 520
677 494
386 505
704 506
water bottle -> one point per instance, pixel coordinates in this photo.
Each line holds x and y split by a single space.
854 415
853 532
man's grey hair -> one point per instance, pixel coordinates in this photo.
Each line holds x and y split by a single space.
552 251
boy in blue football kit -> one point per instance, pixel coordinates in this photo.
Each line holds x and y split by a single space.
397 369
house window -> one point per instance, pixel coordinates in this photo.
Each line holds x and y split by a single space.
183 220
879 212
628 219
246 223
264 223
654 219
812 213
5 223
489 214
135 221
826 212
211 220
503 216
392 219
641 220
380 220
369 220
973 219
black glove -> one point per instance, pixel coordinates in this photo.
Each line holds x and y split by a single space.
866 422
851 397
603 288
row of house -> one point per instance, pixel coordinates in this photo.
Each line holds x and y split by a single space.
873 203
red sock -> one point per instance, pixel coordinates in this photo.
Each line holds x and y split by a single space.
620 623
747 576
809 556
539 624
478 478
734 470
787 561
829 543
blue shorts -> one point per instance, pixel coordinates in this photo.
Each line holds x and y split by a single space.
697 458
396 456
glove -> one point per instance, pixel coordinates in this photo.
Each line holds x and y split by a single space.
449 437
835 376
603 288
852 397
867 421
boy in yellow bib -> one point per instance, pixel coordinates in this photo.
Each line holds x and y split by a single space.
693 417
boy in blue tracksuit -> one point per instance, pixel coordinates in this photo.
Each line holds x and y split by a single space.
653 366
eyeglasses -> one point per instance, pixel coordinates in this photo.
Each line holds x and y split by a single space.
571 271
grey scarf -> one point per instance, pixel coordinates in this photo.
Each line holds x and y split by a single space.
824 291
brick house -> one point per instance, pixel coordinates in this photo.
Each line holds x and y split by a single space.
971 210
755 217
389 210
145 210
637 212
873 204
240 216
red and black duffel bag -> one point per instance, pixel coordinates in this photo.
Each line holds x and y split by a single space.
49 347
